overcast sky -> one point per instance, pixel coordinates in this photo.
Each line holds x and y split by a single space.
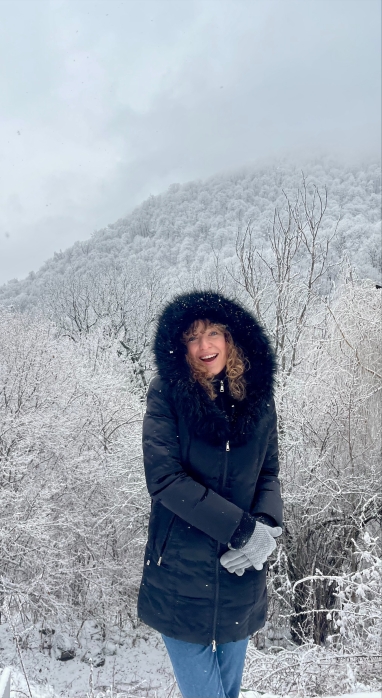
104 102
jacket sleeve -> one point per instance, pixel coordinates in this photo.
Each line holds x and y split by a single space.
167 481
267 498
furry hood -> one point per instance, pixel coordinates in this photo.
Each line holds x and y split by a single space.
193 403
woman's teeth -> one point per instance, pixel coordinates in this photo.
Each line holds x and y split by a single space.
210 357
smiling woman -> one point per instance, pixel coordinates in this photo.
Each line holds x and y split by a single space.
211 464
206 343
210 350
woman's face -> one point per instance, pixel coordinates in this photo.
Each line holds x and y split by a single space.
208 345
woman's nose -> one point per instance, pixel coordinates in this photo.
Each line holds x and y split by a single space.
204 342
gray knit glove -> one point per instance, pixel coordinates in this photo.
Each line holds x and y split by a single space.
260 545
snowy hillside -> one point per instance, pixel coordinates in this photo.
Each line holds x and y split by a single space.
186 226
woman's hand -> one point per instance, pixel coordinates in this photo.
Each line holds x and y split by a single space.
236 564
260 545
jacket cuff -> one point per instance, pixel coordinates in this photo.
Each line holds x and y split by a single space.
266 519
246 527
243 532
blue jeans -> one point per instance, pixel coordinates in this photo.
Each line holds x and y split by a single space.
202 673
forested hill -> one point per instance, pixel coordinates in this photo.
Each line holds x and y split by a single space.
190 223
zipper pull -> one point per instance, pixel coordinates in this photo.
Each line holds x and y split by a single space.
214 645
221 387
160 560
227 448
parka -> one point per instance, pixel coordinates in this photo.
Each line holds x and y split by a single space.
206 466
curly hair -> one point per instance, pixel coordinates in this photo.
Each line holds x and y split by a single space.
236 364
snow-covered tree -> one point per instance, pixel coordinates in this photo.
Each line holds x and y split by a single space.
73 504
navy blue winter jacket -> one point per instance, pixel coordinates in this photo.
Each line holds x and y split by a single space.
208 465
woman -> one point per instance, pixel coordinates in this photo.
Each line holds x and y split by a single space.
211 464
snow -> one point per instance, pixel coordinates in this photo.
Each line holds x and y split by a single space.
255 694
373 694
139 668
4 683
154 684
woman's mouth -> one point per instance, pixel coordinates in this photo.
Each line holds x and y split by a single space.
208 358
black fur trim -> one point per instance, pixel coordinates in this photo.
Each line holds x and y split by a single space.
199 411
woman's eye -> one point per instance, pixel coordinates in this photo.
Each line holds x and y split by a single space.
191 339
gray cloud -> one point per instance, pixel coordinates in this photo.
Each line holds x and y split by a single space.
108 101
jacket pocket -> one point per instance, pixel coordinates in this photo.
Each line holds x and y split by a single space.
166 540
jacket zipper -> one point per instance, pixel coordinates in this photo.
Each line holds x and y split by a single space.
165 541
216 597
227 448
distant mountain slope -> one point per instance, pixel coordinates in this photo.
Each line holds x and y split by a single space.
180 228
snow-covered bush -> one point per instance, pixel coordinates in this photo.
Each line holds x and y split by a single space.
72 498
119 301
359 593
330 411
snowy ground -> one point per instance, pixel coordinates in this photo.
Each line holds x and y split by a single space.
136 666
139 666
